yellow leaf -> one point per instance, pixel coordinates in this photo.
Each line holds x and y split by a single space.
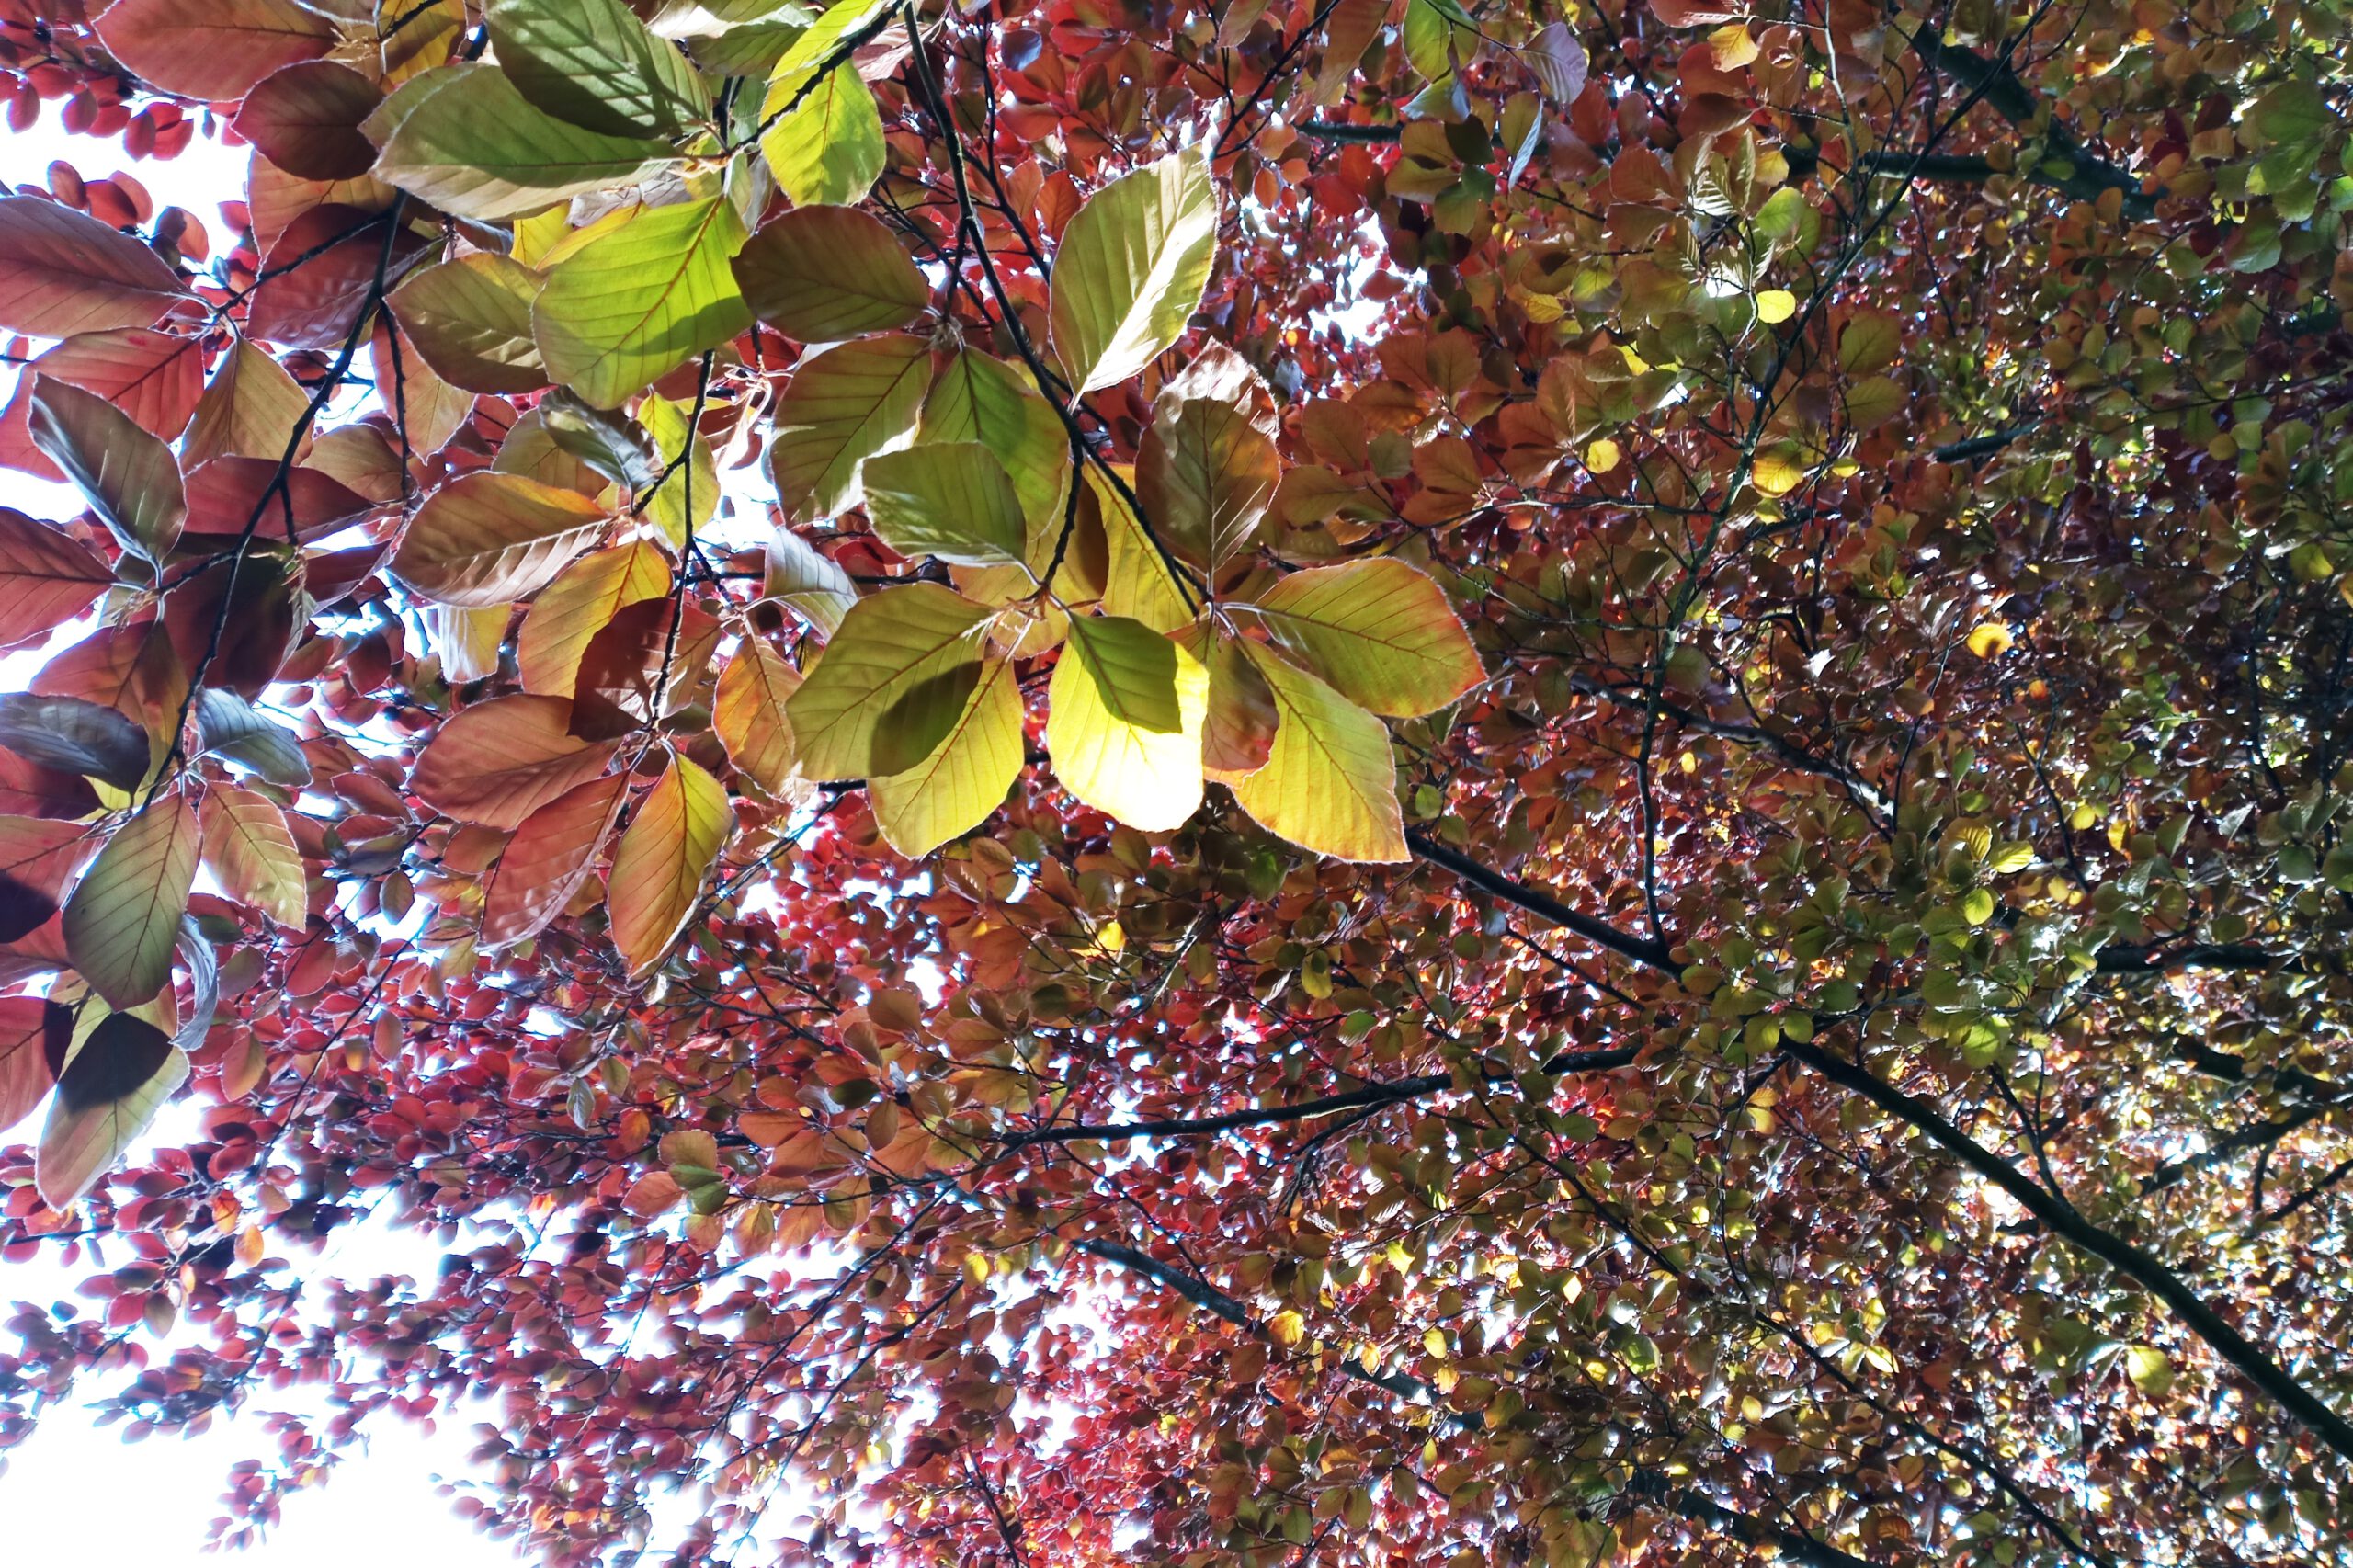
659 870
953 790
1287 1329
1601 456
749 714
1124 721
1329 783
1990 640
1774 306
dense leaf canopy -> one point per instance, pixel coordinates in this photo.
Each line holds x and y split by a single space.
1354 782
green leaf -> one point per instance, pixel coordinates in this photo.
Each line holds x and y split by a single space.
594 63
490 539
107 1096
63 272
463 139
841 407
1124 721
125 913
1137 581
664 859
2149 1368
250 852
471 319
1379 630
949 499
812 584
129 477
981 398
637 302
1131 267
685 502
890 683
953 790
828 148
822 274
227 726
1205 478
1329 783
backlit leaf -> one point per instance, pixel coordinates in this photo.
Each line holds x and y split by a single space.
949 499
63 272
490 539
964 779
1205 478
76 735
251 409
642 300
1379 632
807 581
685 498
125 913
46 579
821 274
1131 267
841 408
249 851
471 319
749 714
106 1098
548 857
31 1028
664 858
496 762
1124 721
129 477
829 148
890 684
306 119
463 139
1138 581
981 398
154 377
579 604
1329 783
592 62
227 726
212 50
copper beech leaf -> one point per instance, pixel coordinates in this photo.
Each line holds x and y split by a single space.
579 604
1131 267
890 684
73 734
497 762
490 539
664 858
1124 721
39 856
249 851
110 1090
129 477
1378 631
964 777
1329 783
46 578
463 139
807 581
306 119
593 63
842 407
33 1032
154 377
1205 476
124 915
946 499
978 397
641 299
822 274
251 409
471 320
212 50
63 272
749 714
548 859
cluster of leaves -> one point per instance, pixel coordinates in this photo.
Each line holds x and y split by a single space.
1247 780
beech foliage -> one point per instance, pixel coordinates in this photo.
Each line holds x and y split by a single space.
1061 783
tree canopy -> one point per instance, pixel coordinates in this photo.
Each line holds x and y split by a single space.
1346 781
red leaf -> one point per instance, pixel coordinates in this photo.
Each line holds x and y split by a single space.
46 579
306 119
498 762
63 272
317 279
214 49
548 859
